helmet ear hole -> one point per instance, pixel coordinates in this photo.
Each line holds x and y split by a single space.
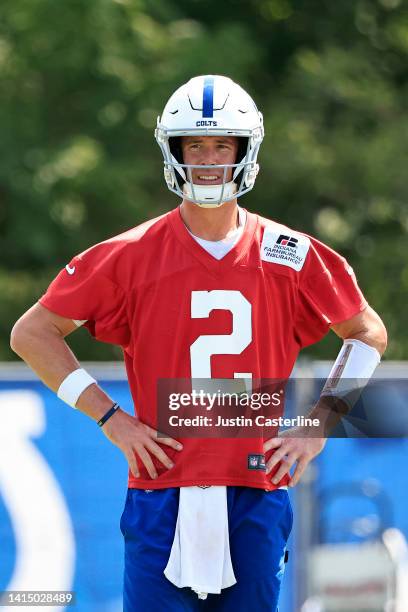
242 149
175 148
177 152
241 154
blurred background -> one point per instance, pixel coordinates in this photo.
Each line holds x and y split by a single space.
81 85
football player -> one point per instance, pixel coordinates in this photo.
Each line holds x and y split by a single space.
208 290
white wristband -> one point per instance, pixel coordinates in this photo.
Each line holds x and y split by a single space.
352 370
73 385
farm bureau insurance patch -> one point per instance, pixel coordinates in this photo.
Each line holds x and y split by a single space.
284 247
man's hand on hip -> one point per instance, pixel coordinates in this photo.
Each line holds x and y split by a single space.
292 446
135 438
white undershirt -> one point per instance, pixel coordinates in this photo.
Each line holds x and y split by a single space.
219 248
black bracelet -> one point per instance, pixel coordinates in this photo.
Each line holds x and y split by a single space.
108 415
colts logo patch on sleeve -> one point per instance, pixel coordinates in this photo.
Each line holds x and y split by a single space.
281 246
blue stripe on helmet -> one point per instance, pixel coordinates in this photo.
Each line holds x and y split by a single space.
208 97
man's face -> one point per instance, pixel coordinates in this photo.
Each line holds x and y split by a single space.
208 151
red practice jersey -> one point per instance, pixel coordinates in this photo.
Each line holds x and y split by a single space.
178 313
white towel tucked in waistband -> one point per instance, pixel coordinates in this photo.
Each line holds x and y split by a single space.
200 555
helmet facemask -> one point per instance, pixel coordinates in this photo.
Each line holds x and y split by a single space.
178 175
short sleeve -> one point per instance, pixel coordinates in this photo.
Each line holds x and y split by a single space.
328 294
88 289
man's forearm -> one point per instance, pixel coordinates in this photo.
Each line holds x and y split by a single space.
49 356
329 411
349 375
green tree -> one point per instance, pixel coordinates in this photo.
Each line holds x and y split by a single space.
81 85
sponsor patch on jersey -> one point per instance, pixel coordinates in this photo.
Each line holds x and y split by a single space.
284 247
256 462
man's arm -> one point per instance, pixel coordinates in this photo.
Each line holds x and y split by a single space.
38 337
367 327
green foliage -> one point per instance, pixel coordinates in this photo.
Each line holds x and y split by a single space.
81 85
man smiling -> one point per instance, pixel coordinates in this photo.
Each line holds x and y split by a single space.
206 291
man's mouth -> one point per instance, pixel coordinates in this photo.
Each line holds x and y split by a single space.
208 178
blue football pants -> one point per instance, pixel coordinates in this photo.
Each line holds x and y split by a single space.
259 525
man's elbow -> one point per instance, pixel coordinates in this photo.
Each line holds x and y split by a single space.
381 338
375 333
367 327
18 337
36 328
24 332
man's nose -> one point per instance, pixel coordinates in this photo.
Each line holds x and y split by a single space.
208 157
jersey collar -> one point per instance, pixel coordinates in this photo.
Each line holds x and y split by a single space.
232 258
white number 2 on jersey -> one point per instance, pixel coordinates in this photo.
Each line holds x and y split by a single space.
202 303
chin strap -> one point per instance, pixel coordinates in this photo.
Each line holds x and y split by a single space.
214 194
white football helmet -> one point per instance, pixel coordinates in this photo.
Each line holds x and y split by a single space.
210 105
